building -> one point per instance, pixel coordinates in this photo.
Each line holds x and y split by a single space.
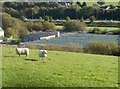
41 36
1 32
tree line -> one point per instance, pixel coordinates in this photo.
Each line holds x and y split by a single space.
32 10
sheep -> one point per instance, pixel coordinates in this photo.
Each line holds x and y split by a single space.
43 54
22 51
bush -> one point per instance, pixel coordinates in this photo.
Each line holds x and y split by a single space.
22 32
46 18
105 48
67 19
38 26
74 26
51 19
92 18
40 18
116 31
48 26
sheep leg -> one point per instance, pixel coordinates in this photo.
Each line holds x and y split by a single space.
44 59
26 56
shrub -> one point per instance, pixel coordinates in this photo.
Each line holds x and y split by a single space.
48 26
97 31
67 19
22 32
46 18
92 18
38 26
51 19
116 31
105 48
9 32
74 26
40 18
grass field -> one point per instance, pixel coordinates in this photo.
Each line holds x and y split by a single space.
107 2
101 28
61 69
105 28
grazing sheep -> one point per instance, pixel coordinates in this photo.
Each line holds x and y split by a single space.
22 51
43 54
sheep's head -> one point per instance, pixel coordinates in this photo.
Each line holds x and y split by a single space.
45 51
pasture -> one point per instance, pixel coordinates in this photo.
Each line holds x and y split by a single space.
91 28
61 69
107 2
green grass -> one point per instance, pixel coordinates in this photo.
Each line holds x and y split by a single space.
59 27
101 28
64 69
104 28
107 2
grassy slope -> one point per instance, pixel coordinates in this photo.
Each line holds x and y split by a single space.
60 69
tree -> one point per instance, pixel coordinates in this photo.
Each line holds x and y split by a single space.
30 26
11 25
48 26
46 18
74 26
36 9
40 18
86 12
12 12
9 32
84 4
112 6
67 19
22 32
101 2
82 19
79 4
92 18
38 26
50 18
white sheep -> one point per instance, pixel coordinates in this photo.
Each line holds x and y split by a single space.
43 54
22 51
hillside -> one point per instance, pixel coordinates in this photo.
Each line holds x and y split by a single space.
60 69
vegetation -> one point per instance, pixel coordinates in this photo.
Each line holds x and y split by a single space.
101 2
92 18
48 26
105 48
12 26
67 19
93 47
74 26
61 69
46 18
57 11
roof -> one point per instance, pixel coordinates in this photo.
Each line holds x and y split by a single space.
37 36
42 34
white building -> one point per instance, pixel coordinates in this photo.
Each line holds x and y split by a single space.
1 32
